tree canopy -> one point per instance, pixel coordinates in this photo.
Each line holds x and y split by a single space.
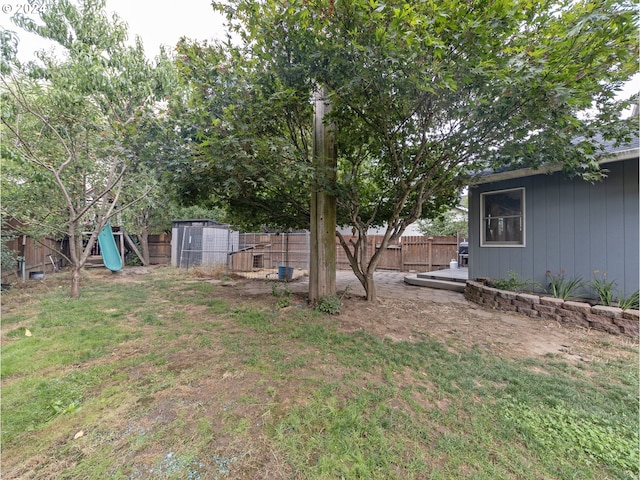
63 121
422 94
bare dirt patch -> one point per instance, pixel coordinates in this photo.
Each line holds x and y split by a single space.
463 326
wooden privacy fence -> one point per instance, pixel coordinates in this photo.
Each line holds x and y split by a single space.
258 251
268 251
38 256
409 253
160 249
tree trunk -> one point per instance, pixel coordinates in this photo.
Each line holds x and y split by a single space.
322 266
370 288
75 281
363 266
144 245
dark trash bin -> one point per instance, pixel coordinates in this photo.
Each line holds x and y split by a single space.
463 254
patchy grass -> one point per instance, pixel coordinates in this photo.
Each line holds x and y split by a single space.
169 377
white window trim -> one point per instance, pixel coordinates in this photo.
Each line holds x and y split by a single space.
483 243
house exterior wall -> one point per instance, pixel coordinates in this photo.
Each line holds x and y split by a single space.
570 224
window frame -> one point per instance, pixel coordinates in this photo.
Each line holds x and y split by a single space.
500 243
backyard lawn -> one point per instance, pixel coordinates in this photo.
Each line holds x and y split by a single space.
166 374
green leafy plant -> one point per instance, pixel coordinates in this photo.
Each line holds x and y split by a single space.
60 408
514 283
603 288
283 295
561 287
629 303
329 304
8 258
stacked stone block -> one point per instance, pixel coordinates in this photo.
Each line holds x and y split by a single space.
607 319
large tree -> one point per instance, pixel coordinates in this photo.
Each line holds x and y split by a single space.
63 121
248 130
422 94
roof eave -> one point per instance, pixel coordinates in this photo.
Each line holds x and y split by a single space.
528 172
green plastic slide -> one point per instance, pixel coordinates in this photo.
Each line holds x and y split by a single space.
110 254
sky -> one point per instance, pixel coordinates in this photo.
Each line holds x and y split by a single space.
158 22
165 21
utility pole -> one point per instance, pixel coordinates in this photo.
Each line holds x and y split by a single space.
322 267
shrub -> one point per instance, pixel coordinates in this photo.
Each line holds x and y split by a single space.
561 287
330 304
283 296
603 288
632 302
514 283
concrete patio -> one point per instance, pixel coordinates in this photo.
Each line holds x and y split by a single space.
448 279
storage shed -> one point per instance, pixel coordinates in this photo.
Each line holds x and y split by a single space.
201 242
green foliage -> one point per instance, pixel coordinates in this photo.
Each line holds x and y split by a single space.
448 224
249 131
330 304
283 294
561 287
630 302
9 258
68 125
514 283
602 288
422 94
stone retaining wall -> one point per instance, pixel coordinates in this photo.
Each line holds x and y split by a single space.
607 319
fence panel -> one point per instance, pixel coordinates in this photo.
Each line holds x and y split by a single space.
258 252
160 249
443 251
428 253
268 251
411 253
391 258
39 256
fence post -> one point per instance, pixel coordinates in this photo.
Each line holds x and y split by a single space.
429 250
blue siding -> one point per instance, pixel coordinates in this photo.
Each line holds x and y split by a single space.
583 228
631 227
598 231
552 224
614 262
571 225
566 228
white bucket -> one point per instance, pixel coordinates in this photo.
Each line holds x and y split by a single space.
453 264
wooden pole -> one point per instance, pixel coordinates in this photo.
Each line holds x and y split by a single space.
322 268
133 247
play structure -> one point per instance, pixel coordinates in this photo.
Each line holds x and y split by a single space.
108 248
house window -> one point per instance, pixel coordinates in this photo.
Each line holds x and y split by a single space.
502 218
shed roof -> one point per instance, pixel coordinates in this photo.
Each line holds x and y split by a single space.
198 222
